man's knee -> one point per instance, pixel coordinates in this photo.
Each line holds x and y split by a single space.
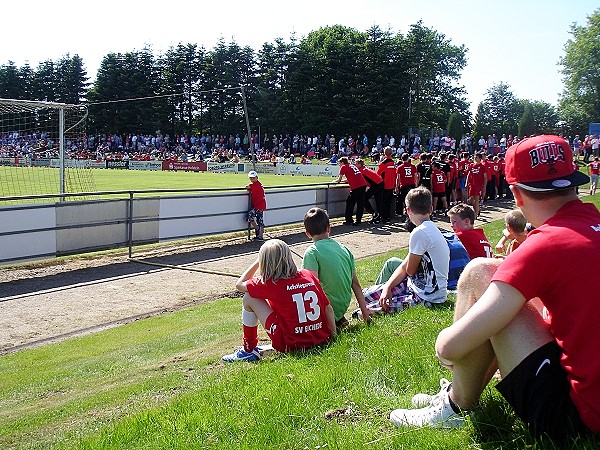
478 272
473 282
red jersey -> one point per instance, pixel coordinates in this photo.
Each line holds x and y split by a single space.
453 174
407 174
475 242
496 172
299 303
353 176
489 167
476 173
257 195
372 177
438 181
594 167
574 234
387 170
463 167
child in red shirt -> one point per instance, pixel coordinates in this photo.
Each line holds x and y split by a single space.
258 204
289 303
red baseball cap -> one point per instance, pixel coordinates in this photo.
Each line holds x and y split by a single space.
542 163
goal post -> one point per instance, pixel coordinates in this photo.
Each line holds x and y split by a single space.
43 149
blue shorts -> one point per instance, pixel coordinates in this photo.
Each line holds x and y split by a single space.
256 215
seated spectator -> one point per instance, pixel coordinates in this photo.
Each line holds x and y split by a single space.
459 258
426 267
514 233
276 298
333 264
462 218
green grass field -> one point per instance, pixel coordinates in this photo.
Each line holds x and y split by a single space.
15 181
159 383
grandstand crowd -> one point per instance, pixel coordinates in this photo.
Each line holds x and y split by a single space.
293 148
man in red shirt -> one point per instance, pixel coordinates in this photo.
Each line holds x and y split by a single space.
452 194
490 188
407 180
358 186
463 168
503 190
549 363
387 171
374 190
438 188
476 182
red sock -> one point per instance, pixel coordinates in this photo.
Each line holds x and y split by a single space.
250 337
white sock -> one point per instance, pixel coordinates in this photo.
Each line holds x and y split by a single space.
249 318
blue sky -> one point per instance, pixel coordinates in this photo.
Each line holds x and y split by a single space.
518 42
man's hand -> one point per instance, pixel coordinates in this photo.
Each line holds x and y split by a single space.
386 297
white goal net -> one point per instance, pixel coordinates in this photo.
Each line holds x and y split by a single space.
43 150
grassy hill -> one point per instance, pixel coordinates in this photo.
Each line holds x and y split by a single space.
159 383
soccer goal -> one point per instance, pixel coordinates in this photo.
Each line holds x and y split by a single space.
43 149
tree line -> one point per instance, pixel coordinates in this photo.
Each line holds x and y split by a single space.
336 80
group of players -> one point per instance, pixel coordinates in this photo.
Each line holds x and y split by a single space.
451 179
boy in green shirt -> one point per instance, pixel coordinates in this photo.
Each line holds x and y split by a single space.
333 264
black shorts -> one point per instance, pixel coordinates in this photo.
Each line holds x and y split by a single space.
539 392
438 194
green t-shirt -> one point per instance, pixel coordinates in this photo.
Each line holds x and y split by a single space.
334 265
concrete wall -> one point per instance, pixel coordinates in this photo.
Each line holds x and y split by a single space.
54 229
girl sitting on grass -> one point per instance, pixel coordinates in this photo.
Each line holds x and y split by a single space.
289 303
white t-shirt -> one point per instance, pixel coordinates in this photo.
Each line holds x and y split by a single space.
430 282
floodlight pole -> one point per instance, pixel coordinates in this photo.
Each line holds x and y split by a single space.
248 128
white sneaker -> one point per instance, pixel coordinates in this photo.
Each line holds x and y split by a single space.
420 400
439 414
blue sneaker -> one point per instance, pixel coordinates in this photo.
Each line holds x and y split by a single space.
241 355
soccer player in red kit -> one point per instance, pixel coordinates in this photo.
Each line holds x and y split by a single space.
358 187
476 182
594 169
374 190
438 187
289 303
407 180
387 170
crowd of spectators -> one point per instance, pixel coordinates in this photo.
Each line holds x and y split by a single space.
292 148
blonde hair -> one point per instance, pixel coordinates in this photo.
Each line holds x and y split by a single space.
516 220
275 261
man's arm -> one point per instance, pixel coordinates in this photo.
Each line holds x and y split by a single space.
331 321
408 267
360 298
499 304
